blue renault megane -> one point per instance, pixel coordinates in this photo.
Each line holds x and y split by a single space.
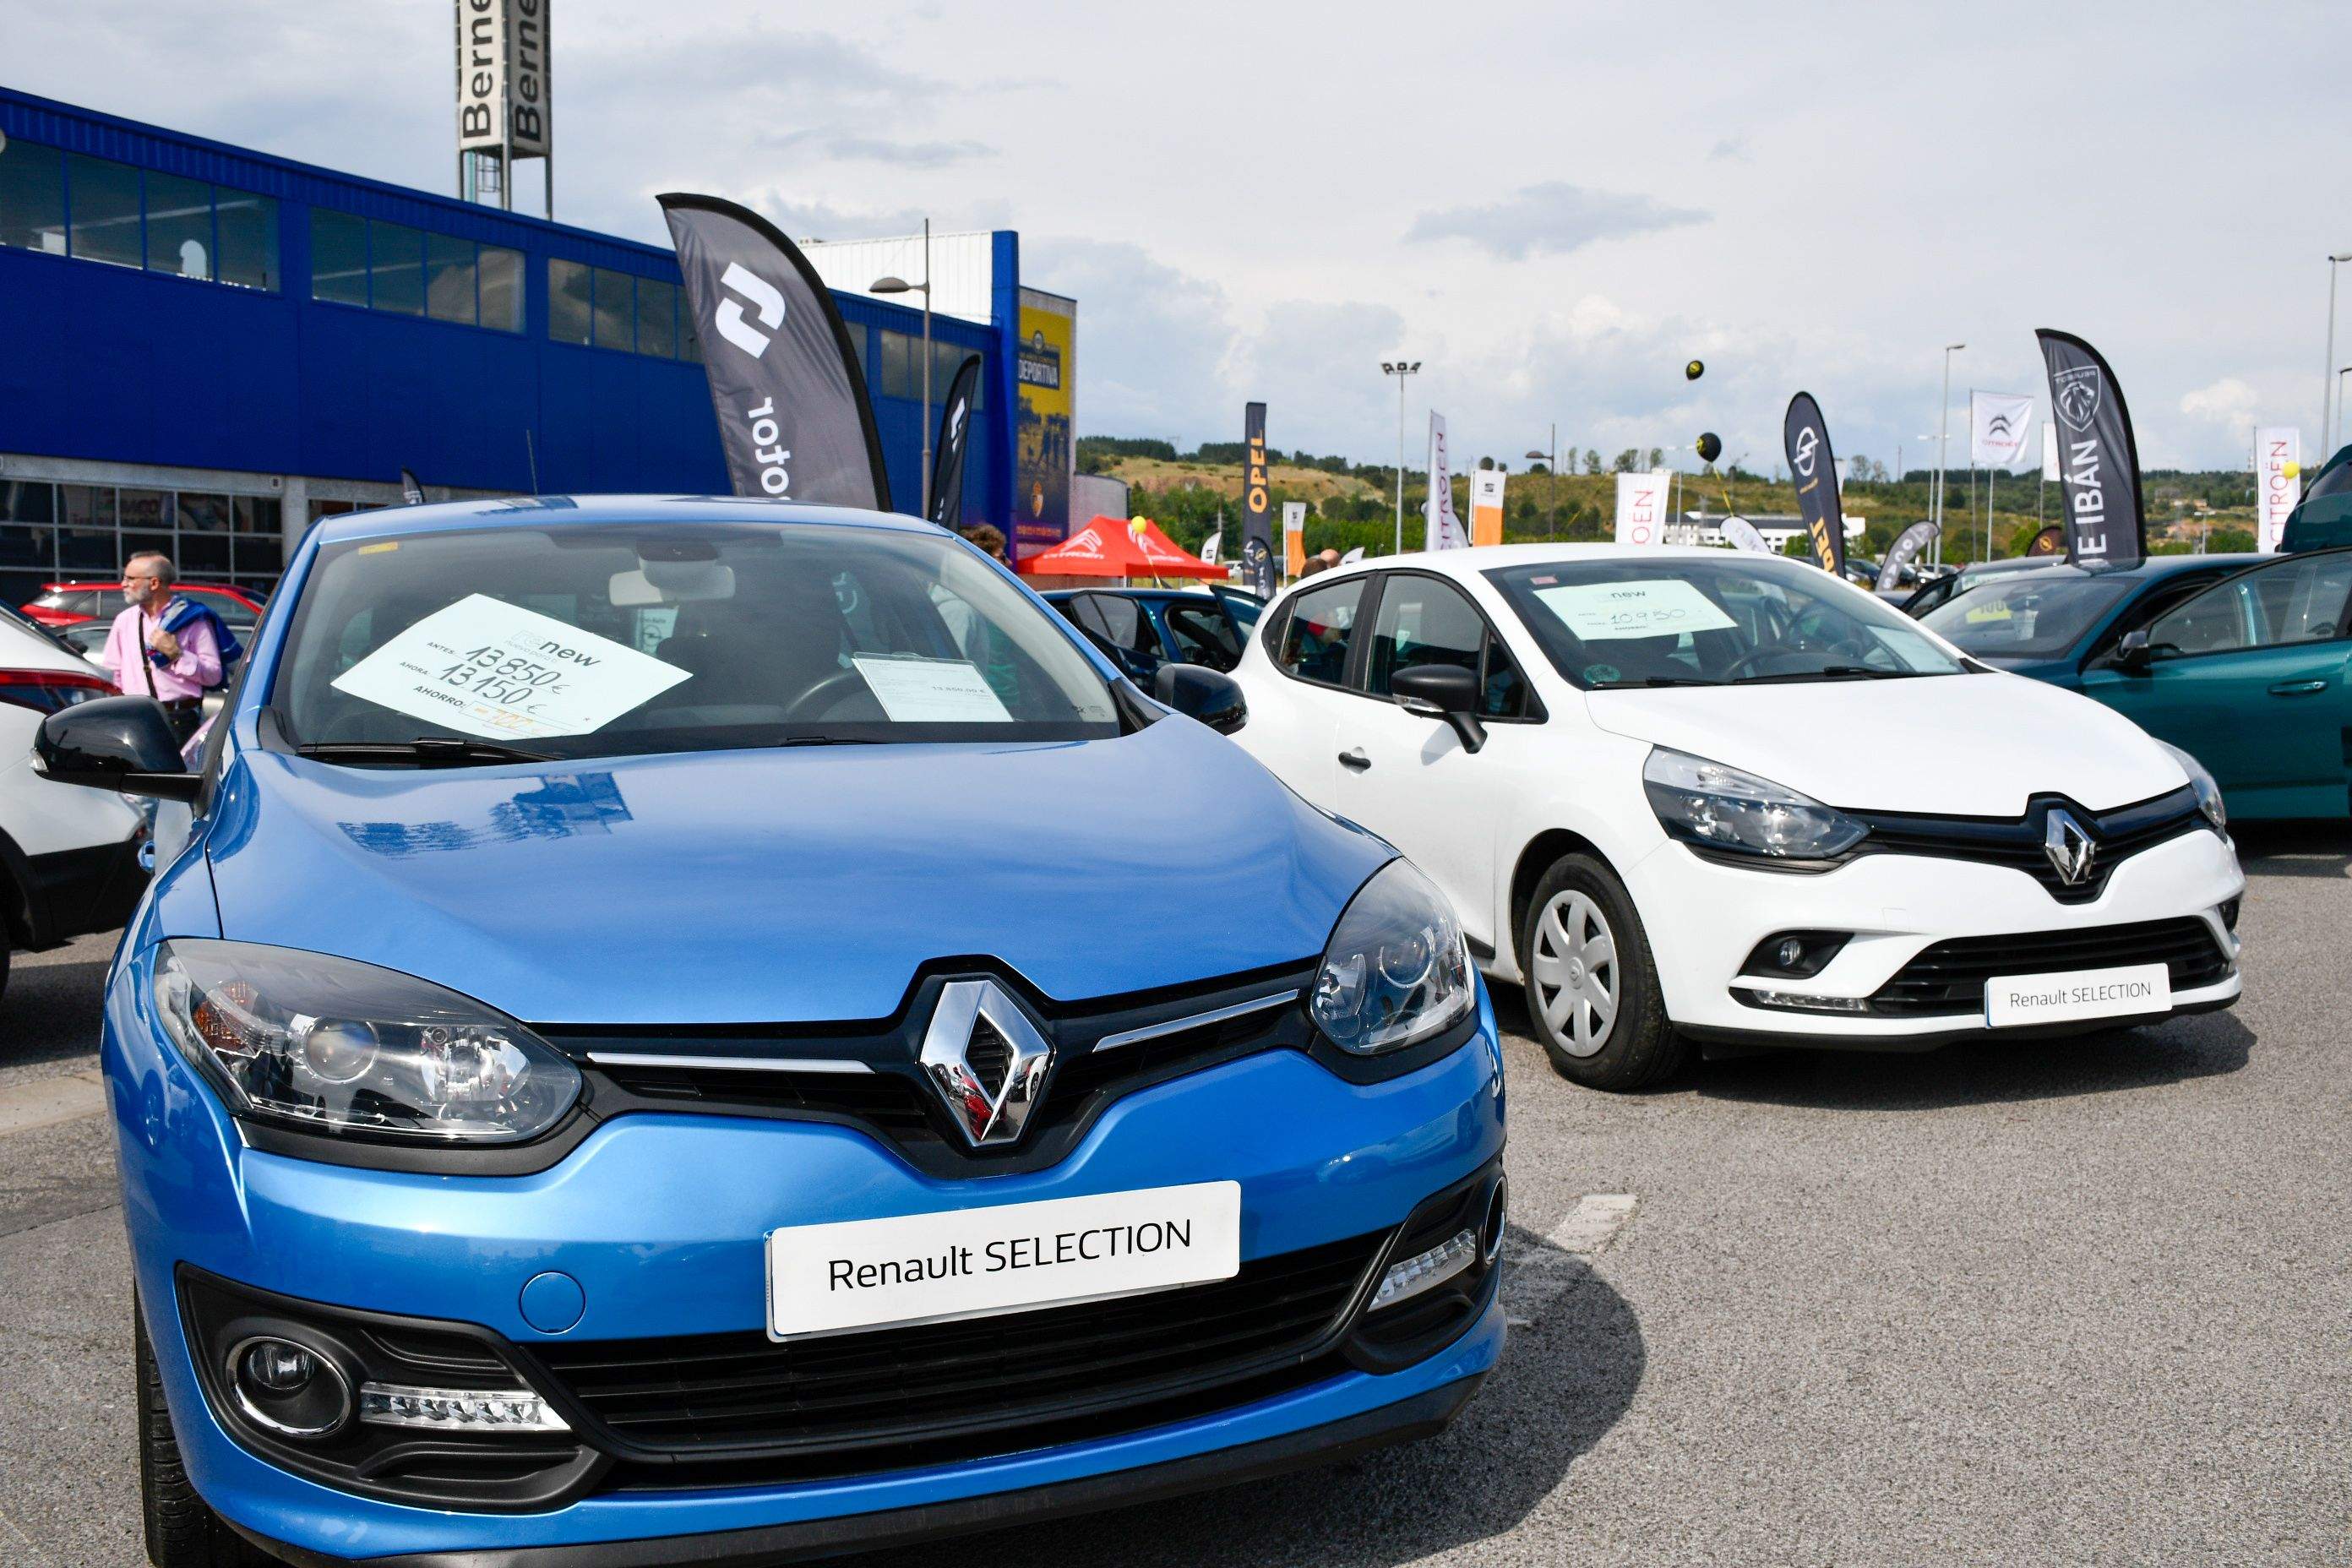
695 1030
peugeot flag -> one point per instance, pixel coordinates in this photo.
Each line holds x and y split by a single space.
793 418
1257 505
2098 461
1807 438
946 453
1902 553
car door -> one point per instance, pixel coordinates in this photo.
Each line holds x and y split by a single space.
1085 612
1314 651
1200 632
1410 778
2250 678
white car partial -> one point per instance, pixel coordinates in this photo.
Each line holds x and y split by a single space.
1699 797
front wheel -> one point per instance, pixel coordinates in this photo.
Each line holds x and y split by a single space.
182 1530
1592 988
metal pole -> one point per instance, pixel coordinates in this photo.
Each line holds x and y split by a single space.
1400 506
1551 489
927 368
1943 447
2327 391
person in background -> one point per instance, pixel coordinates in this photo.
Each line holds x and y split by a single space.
149 658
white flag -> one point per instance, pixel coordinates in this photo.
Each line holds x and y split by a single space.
1743 535
1209 549
2049 451
2000 424
1641 508
1353 556
2278 463
1443 529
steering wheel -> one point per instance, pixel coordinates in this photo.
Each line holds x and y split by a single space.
824 693
1747 662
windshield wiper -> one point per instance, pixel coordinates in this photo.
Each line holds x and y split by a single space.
1657 680
827 740
425 751
1832 672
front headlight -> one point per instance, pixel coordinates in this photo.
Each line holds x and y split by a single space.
2208 793
1397 970
336 1045
1707 803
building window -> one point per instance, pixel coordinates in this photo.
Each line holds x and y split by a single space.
396 268
103 211
179 225
901 362
857 347
246 228
616 307
657 319
32 197
449 286
339 258
502 273
571 314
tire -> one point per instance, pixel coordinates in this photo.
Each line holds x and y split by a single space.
1611 1032
182 1530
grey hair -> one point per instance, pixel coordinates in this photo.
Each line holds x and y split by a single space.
164 573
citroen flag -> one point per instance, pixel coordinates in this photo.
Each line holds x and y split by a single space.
1999 422
947 456
793 418
2097 458
1441 527
1641 508
1807 438
1257 505
1486 507
2278 459
1902 553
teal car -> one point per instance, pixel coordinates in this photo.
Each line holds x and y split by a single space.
2244 661
2323 517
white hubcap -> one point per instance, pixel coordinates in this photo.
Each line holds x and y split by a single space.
1575 973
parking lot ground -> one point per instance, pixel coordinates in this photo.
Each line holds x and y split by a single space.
2030 1303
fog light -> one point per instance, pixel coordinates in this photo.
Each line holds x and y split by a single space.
1792 952
1426 1271
1795 954
457 1409
1800 1002
288 1388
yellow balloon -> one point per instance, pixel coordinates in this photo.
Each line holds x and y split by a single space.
2292 470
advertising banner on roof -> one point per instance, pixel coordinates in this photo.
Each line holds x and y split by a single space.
1044 449
502 76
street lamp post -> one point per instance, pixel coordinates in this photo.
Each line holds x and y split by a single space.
2331 402
1400 369
896 285
1551 484
1943 443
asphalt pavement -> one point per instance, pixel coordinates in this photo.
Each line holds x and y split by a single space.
2021 1303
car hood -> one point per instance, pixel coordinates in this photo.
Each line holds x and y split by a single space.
800 884
1956 745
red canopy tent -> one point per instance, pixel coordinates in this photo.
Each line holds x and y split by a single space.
1107 547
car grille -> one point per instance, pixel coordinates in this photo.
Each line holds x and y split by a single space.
2017 842
739 1409
1948 977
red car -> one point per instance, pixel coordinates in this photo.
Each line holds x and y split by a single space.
71 604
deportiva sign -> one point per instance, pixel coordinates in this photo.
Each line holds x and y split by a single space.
2098 461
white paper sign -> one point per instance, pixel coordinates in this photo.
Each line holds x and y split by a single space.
2129 990
483 667
977 1261
931 690
1653 608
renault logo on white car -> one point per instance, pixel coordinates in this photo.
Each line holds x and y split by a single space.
986 1061
764 300
2069 845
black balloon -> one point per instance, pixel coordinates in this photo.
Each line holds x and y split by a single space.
1694 370
1710 447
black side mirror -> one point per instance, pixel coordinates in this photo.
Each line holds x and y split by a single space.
2132 651
124 743
1202 693
1445 691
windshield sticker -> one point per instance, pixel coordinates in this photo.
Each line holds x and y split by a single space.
914 690
1983 613
482 667
1658 606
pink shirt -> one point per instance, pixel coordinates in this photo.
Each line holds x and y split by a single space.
198 665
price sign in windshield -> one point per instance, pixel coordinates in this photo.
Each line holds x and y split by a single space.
483 667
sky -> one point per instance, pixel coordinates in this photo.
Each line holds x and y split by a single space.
1551 208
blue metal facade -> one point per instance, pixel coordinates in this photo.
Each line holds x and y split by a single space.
112 363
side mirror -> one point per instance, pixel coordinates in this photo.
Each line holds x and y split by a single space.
122 743
2132 652
1445 691
1199 692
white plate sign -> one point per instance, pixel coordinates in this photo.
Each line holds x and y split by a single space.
1653 608
931 690
486 667
2126 990
1012 1258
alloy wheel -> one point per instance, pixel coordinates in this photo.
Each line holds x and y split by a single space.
1575 973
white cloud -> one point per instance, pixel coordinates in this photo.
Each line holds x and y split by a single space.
1550 219
2228 402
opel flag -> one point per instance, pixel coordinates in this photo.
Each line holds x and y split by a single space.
792 413
1257 505
947 456
2098 461
1807 437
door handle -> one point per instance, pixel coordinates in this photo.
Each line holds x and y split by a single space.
2297 687
1355 760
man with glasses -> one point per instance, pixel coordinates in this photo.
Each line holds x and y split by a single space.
151 659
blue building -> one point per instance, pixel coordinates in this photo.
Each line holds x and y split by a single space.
203 348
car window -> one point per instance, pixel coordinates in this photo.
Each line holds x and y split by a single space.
1203 634
1319 631
226 606
2297 600
1425 621
1126 623
2028 614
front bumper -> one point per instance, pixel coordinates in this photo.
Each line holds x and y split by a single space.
1707 918
658 1218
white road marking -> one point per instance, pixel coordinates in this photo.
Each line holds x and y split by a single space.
1593 1222
45 1101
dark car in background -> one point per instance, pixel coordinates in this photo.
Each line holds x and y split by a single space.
1142 629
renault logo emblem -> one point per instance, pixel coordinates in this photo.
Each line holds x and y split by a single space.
2069 845
986 1061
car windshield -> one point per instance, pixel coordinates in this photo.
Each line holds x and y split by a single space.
1637 620
607 639
2028 615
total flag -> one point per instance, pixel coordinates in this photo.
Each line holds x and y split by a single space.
2000 425
947 452
793 418
1257 506
1641 508
2098 460
1442 528
2278 468
1487 506
1807 437
1902 553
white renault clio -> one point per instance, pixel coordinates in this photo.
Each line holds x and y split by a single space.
1699 795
